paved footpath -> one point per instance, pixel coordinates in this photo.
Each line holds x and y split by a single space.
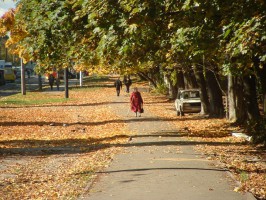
159 165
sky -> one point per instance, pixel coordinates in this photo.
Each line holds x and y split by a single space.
5 5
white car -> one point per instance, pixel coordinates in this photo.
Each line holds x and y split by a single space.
188 101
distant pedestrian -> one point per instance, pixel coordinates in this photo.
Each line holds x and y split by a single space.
118 86
57 82
51 81
136 102
127 81
28 73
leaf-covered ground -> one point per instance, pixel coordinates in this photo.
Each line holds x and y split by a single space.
52 149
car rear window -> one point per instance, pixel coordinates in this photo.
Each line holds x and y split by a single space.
190 94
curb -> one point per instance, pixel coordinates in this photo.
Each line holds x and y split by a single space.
247 195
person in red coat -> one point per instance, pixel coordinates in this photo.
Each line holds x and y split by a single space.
136 102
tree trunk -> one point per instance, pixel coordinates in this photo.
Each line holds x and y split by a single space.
40 82
236 108
190 80
215 95
169 84
146 77
232 115
240 102
173 89
174 85
180 79
205 104
250 96
264 105
262 77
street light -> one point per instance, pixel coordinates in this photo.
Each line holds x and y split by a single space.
66 82
23 82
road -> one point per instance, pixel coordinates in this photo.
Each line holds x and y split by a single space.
31 85
14 88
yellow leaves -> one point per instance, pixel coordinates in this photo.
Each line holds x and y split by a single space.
7 22
16 32
170 25
236 189
132 28
79 66
3 30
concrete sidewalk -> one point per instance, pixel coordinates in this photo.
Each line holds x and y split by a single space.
159 165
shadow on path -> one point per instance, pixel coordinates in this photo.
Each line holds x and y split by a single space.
130 120
149 169
65 106
73 146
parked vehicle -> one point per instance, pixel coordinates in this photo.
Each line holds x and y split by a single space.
2 64
188 101
9 74
8 64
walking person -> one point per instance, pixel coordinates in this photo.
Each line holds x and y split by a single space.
28 73
136 102
57 82
118 86
51 81
128 83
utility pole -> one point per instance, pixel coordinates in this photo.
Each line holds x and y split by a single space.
66 82
23 82
40 81
80 79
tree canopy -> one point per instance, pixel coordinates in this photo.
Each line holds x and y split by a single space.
138 34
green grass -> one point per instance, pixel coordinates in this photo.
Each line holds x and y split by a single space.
243 176
32 98
96 78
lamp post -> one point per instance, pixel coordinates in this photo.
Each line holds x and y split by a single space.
23 85
66 82
80 79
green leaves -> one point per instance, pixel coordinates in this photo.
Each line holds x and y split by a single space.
247 39
228 31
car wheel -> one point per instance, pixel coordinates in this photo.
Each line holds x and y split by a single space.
181 112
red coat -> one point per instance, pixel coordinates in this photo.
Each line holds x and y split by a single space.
136 101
